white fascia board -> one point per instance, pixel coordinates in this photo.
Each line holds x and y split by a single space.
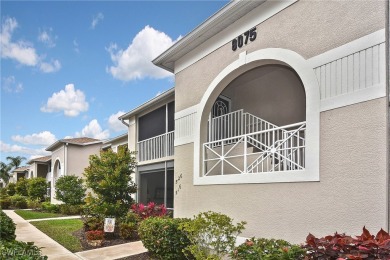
148 104
252 19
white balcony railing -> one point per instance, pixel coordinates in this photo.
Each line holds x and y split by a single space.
243 143
156 147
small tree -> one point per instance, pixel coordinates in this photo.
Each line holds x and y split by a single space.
21 187
11 189
70 190
109 176
37 188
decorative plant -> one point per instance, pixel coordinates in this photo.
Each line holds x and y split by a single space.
18 201
93 223
163 239
37 188
212 235
150 210
7 227
21 187
128 226
343 247
18 250
94 235
70 190
262 248
11 189
109 176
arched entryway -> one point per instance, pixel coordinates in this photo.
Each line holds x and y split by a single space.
56 173
272 127
257 124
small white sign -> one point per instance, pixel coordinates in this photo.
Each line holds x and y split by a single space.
109 225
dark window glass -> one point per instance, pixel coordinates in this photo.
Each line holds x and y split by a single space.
171 116
151 124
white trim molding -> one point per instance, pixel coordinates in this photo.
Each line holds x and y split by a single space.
352 73
184 125
251 19
310 83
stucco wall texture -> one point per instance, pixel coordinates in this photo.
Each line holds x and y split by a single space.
306 27
352 191
78 158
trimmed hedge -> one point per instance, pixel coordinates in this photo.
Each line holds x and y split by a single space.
262 248
162 237
18 250
18 202
7 228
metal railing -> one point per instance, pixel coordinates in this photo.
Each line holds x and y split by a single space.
156 147
274 148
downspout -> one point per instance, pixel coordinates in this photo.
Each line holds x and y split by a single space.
388 113
65 158
123 122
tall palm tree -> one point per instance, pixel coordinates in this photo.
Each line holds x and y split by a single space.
15 161
5 172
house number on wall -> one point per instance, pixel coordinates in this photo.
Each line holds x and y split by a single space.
243 39
178 182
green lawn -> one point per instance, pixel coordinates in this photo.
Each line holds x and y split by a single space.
31 214
61 231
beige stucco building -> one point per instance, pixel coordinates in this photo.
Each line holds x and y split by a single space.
151 135
71 157
286 126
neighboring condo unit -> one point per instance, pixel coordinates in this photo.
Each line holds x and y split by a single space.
40 167
115 143
71 157
20 172
286 124
151 134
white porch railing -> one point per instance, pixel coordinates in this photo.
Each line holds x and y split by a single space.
273 148
156 147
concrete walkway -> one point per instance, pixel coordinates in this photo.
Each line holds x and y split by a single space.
28 233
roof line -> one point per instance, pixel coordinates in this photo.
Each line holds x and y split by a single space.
148 103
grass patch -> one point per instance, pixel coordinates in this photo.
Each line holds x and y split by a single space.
61 231
32 214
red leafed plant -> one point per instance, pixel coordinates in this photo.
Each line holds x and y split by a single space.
343 247
95 235
150 210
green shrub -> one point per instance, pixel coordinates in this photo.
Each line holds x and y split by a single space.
18 201
11 189
37 188
7 227
93 223
110 177
5 203
162 237
128 230
34 203
70 190
18 250
212 235
3 192
128 226
70 209
272 249
48 207
21 187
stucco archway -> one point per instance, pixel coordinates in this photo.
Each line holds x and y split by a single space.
245 63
